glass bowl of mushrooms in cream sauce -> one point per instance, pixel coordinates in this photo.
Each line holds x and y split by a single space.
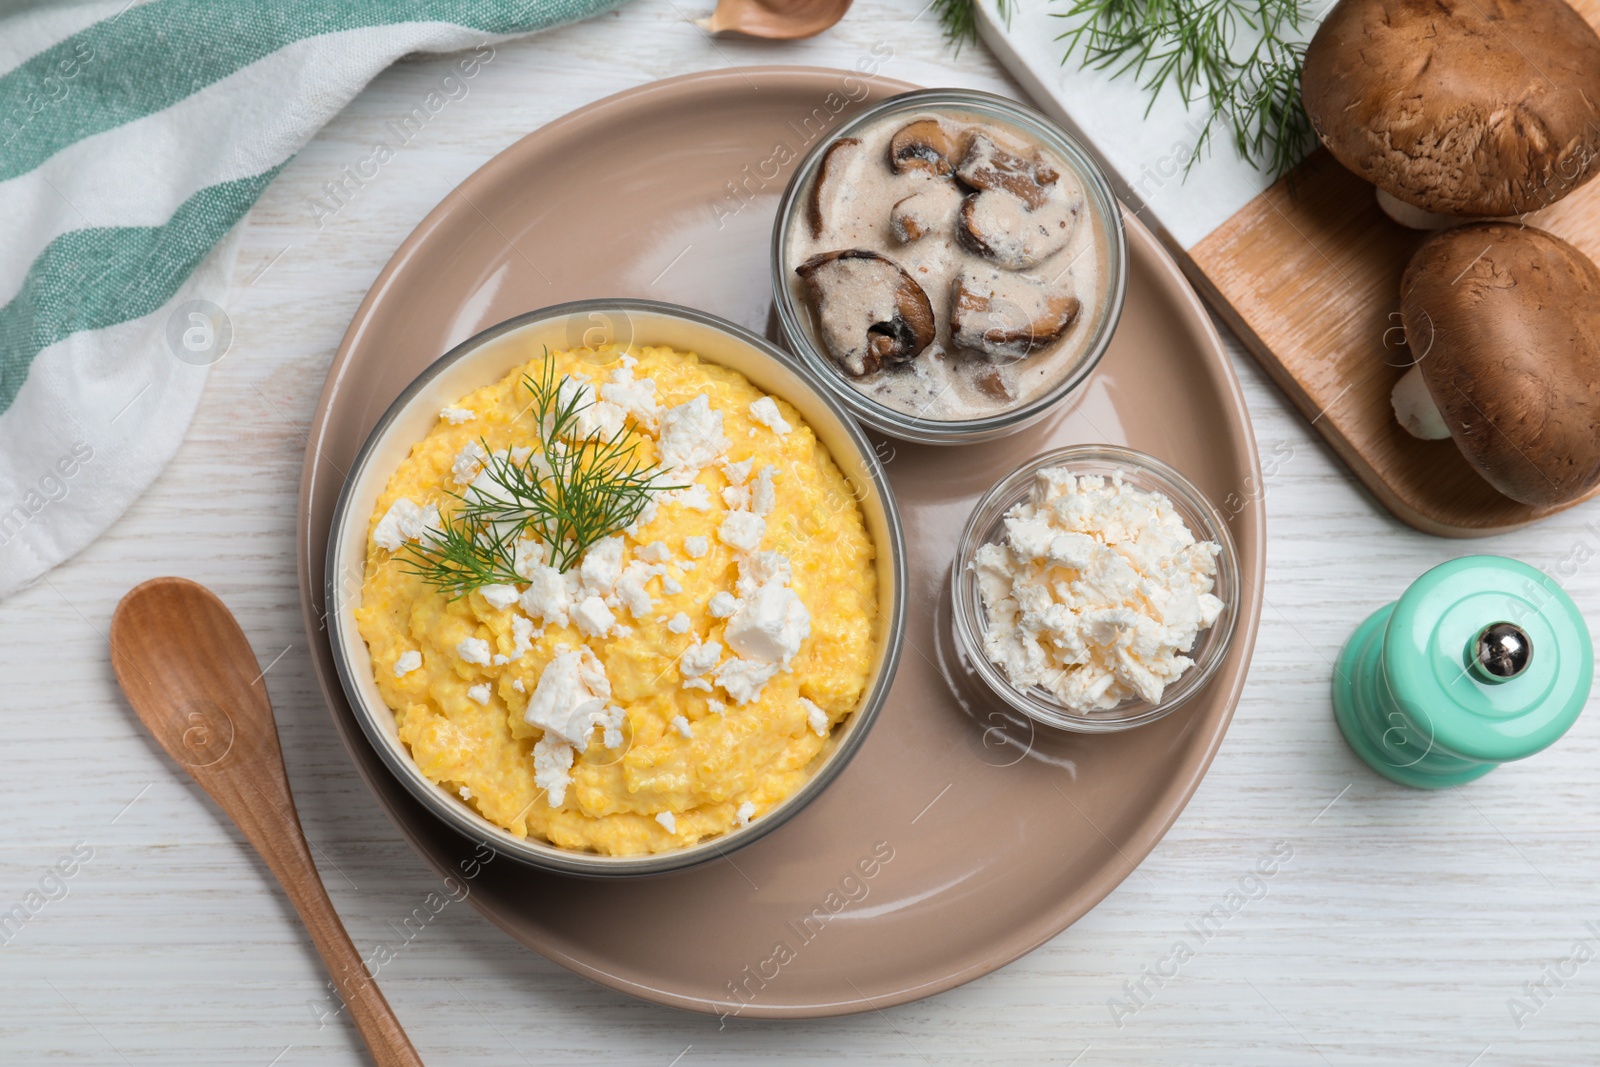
950 263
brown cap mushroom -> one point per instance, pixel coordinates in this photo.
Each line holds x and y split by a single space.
829 175
1504 322
1478 108
999 226
869 311
923 145
932 210
1005 315
986 165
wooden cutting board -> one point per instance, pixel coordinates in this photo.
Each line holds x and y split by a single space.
1306 270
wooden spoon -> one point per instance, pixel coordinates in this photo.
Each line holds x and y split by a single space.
189 673
776 20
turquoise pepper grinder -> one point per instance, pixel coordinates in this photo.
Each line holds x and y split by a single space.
1482 661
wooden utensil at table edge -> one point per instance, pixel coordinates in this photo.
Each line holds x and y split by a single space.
775 20
189 673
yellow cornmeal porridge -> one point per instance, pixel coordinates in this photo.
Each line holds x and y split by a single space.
690 668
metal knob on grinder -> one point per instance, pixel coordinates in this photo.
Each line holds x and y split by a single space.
1483 660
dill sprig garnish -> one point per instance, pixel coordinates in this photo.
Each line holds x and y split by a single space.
575 491
1197 47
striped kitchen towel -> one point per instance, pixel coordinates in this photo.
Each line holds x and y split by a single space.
134 137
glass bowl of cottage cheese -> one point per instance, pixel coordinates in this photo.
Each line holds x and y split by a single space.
1095 589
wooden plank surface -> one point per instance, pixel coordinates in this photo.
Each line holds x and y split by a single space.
1397 933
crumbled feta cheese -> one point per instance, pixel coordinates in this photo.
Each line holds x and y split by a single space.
763 497
601 566
407 662
738 473
745 679
745 813
466 793
593 618
456 416
697 683
1095 591
670 585
691 436
547 596
473 650
468 462
680 724
570 698
500 597
594 417
520 454
668 822
722 605
636 398
770 625
552 768
696 547
405 521
737 497
647 515
516 683
521 636
630 591
699 658
610 723
479 692
655 552
528 554
765 411
696 497
716 706
816 718
679 623
500 659
760 568
742 530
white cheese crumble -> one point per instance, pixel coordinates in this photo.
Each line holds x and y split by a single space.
601 566
763 498
745 679
769 625
679 623
668 821
405 521
670 585
593 618
521 636
473 650
699 658
479 693
742 530
696 547
407 662
1095 591
636 397
655 552
516 683
500 597
456 416
681 724
723 605
691 436
468 462
765 411
552 768
570 699
738 473
816 718
630 590
547 596
736 497
745 813
696 497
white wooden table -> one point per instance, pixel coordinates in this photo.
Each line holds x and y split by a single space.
1405 925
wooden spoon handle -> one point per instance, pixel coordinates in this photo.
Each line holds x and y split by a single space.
285 851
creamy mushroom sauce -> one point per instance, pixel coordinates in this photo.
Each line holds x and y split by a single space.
866 205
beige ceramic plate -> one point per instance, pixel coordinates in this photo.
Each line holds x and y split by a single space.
958 839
